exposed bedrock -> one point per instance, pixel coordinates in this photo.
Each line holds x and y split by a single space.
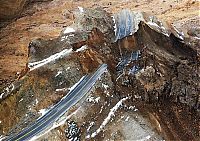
155 67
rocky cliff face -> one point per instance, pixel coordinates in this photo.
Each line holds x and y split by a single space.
47 19
145 86
151 88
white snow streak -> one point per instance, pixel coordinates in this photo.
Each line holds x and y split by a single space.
106 120
61 90
56 124
38 64
92 99
7 90
1 96
89 127
127 118
179 34
105 86
21 100
115 26
36 101
82 48
58 73
43 111
2 137
161 28
69 30
68 68
66 36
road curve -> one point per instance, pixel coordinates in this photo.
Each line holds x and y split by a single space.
83 86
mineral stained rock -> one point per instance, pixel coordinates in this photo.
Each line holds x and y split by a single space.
150 91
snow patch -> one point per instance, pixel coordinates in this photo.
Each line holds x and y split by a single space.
106 89
1 96
38 64
81 9
198 38
21 99
2 137
153 24
97 99
107 119
43 111
115 26
7 90
131 107
101 109
127 118
58 73
161 28
82 48
63 38
93 100
68 68
179 34
105 86
61 90
69 30
66 36
56 124
89 127
36 101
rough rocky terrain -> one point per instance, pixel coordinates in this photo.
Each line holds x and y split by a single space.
47 19
159 97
